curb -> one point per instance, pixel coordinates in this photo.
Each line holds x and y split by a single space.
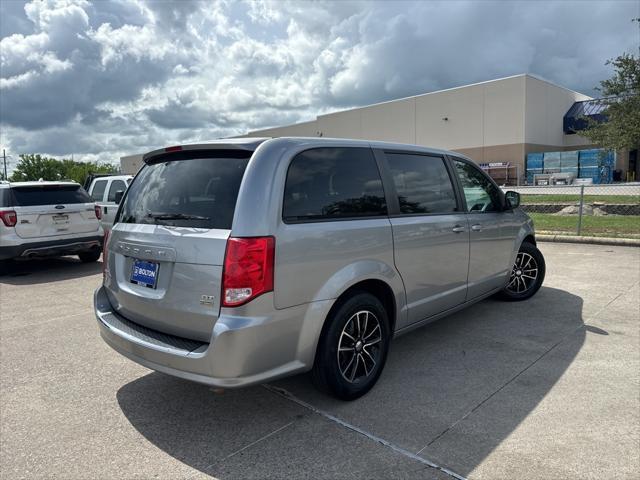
624 242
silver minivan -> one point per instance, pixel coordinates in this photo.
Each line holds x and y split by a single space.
240 261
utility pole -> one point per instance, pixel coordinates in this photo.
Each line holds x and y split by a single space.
4 159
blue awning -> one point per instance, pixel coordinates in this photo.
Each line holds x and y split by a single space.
576 118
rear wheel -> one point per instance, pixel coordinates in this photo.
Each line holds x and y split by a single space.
353 348
92 256
527 274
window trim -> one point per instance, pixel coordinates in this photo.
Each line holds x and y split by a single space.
454 158
336 219
394 204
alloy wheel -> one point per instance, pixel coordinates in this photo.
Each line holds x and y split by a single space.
524 273
359 346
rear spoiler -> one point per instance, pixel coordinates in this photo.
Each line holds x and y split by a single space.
240 148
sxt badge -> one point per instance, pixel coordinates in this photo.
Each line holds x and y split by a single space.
206 299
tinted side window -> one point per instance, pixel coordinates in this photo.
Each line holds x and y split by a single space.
113 188
481 195
98 190
327 183
422 183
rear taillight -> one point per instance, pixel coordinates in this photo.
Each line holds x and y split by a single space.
9 218
98 211
248 269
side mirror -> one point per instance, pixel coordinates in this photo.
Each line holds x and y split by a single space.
513 199
119 195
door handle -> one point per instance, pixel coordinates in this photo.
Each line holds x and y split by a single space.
457 229
476 228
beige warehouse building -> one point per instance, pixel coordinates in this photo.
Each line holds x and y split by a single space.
498 121
495 121
131 164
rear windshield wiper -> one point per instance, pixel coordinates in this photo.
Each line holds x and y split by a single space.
175 216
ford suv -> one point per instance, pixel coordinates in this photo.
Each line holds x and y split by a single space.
240 261
40 219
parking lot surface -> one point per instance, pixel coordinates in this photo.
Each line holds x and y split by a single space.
547 388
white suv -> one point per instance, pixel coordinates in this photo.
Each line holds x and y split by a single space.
41 219
107 192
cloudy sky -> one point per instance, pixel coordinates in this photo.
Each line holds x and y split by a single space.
100 79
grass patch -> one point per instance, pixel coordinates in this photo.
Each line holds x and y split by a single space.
608 226
569 198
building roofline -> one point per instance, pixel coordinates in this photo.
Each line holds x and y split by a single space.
542 79
425 94
537 77
484 82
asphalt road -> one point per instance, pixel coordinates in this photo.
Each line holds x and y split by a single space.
548 388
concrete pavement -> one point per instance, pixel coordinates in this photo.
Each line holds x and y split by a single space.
545 388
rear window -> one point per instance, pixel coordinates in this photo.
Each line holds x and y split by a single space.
333 183
196 192
49 195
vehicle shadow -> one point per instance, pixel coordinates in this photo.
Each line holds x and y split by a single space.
47 270
435 377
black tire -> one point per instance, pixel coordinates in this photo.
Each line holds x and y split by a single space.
91 256
342 326
529 262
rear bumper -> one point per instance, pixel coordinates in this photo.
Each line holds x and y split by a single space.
243 350
69 246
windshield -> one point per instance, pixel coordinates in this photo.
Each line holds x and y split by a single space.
49 195
198 193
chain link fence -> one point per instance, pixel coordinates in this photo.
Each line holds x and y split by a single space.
589 210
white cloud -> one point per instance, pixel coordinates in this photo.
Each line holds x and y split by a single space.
105 78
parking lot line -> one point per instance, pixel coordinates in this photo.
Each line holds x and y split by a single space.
240 450
289 396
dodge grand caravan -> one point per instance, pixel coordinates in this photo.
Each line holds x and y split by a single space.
240 261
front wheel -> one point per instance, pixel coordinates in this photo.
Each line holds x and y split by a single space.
527 274
353 348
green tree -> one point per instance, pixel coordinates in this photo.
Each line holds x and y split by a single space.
78 171
34 167
621 98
